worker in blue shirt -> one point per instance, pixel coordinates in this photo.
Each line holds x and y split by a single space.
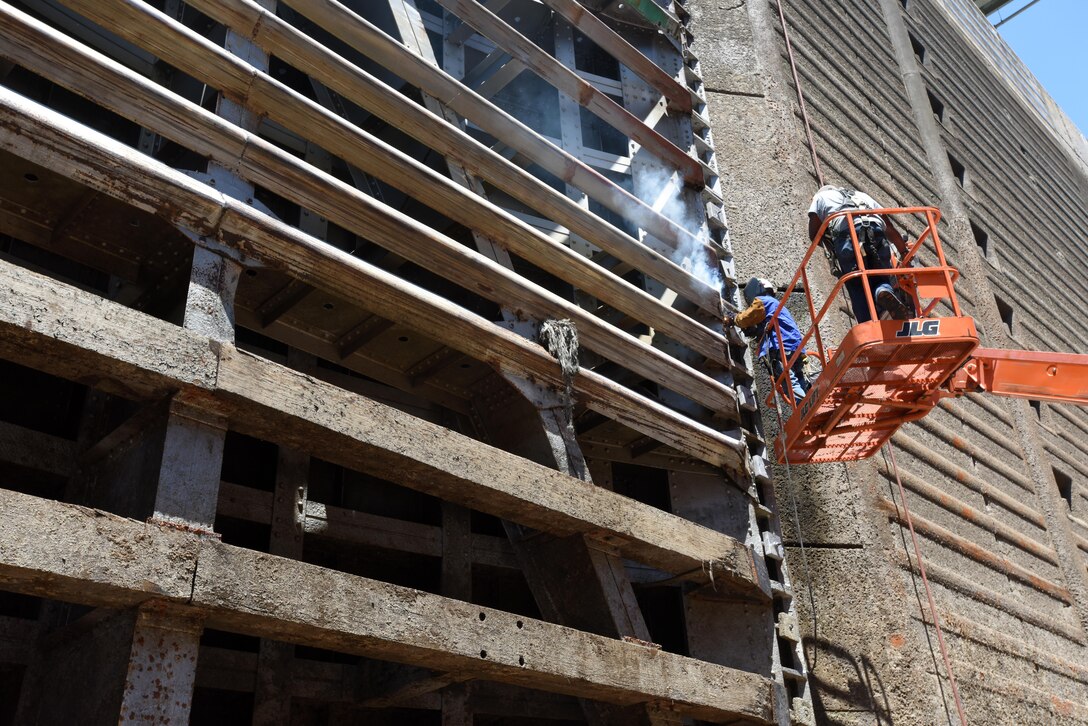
762 305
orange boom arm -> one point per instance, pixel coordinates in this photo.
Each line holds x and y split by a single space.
1060 377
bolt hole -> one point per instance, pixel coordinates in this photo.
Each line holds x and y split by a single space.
483 616
521 660
328 306
466 365
134 223
483 653
251 273
520 625
30 177
403 338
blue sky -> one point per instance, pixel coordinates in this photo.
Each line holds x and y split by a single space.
1051 37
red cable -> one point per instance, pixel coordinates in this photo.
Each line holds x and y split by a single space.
800 95
929 593
891 452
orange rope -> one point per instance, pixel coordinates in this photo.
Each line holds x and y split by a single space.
800 95
891 452
929 593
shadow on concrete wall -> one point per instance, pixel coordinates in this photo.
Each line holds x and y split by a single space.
854 687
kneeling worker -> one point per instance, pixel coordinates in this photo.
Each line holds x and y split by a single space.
753 320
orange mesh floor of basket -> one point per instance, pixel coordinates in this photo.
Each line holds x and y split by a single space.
882 376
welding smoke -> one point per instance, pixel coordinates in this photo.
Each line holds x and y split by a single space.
664 190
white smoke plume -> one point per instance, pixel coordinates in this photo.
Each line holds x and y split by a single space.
528 98
664 190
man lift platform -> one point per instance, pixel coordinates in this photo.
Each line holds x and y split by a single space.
885 373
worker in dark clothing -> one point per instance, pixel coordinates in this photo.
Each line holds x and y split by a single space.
873 231
753 320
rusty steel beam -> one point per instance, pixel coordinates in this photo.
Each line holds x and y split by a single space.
362 334
280 302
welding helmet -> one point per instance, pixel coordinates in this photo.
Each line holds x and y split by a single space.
755 287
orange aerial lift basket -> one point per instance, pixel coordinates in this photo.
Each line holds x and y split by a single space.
885 373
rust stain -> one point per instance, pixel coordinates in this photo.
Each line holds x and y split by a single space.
979 553
639 641
570 169
182 527
1061 706
897 640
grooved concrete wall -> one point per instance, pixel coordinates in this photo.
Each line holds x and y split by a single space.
997 488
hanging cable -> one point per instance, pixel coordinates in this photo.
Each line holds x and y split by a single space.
797 524
929 593
804 118
895 468
800 96
778 411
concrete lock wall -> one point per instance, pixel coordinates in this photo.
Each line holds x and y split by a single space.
280 441
919 102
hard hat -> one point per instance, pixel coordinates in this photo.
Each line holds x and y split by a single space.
757 286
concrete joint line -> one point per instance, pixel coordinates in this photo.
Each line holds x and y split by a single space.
728 92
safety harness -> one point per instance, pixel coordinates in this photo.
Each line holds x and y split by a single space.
865 226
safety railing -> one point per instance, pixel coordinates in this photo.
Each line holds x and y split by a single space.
926 287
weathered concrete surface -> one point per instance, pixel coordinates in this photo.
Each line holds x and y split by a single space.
978 470
77 672
192 461
44 326
721 632
161 666
43 543
80 679
1019 651
767 183
857 659
249 592
732 63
